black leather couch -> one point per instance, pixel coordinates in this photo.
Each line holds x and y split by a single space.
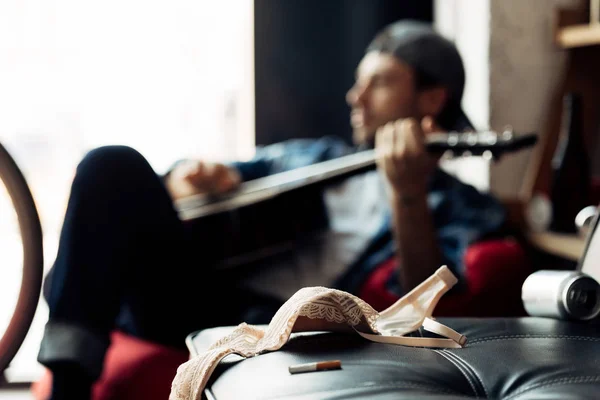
504 358
516 359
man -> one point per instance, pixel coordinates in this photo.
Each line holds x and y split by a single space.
125 260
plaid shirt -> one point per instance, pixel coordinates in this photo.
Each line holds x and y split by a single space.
461 214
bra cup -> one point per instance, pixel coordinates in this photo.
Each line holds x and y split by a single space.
323 309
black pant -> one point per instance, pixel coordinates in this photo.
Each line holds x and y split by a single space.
126 261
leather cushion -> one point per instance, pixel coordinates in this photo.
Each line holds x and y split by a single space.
517 359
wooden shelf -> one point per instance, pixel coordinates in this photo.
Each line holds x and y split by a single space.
578 36
570 247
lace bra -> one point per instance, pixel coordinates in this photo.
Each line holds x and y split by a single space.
323 309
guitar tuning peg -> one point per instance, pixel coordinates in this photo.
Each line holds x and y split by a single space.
507 133
472 138
487 155
453 139
448 155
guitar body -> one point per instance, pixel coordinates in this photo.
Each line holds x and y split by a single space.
244 235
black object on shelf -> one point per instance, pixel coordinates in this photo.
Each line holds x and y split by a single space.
571 175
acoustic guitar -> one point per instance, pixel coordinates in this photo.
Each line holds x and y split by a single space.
268 215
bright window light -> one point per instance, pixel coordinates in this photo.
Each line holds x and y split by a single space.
171 78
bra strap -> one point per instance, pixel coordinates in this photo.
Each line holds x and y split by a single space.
454 340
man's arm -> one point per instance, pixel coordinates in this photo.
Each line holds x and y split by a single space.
291 154
189 177
417 250
407 165
194 177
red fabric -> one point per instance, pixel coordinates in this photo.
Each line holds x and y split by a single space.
374 291
494 273
134 369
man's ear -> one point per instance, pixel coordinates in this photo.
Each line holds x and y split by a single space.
431 101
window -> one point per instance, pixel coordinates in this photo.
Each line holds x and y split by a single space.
170 78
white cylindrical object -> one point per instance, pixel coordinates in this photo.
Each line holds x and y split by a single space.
561 294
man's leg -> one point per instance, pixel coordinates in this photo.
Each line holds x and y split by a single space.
121 238
126 260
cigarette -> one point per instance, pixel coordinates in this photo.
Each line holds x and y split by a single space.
316 366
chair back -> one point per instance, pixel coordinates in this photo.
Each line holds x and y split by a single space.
589 263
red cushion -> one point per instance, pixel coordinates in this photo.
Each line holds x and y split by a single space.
494 273
374 290
495 265
134 369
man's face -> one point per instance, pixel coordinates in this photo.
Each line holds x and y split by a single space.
384 91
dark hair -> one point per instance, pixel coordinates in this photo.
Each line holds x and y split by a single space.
435 61
451 115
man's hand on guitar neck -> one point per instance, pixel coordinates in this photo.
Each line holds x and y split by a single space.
201 177
402 156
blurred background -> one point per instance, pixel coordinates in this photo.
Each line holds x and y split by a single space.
188 78
173 79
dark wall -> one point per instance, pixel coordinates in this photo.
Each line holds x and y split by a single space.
306 52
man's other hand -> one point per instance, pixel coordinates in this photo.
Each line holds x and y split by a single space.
201 177
403 157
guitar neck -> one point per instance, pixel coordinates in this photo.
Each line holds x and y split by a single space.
330 171
261 189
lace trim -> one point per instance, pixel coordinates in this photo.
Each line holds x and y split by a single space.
321 303
315 303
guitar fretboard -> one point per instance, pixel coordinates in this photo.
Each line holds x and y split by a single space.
265 188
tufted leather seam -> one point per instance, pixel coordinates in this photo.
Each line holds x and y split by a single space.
474 373
464 369
552 382
508 337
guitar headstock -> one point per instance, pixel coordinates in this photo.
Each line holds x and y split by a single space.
489 144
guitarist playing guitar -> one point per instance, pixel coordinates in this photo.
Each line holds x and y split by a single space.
394 84
126 259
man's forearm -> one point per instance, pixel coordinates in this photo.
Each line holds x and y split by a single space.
418 252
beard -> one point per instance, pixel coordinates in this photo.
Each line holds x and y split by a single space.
363 138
